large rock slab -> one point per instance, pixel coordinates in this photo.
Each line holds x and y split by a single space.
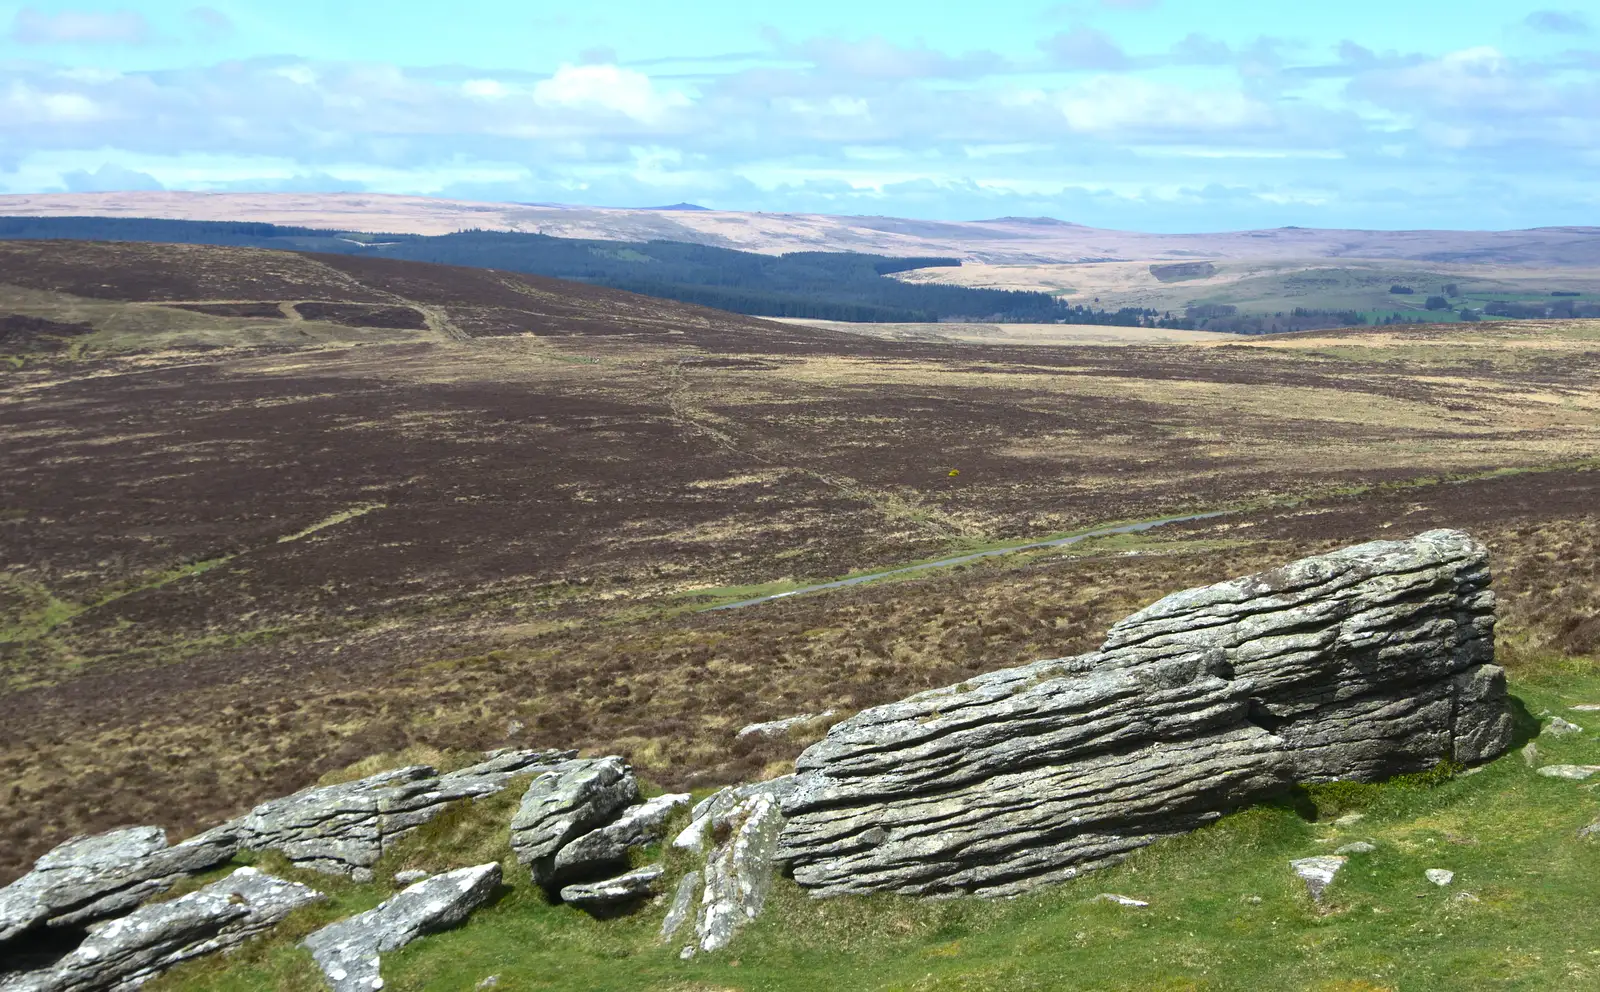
344 829
1360 664
349 952
564 803
97 877
740 871
126 952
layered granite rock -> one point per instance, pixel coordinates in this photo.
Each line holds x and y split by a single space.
95 878
344 829
611 892
565 802
124 953
349 952
745 823
607 847
1360 664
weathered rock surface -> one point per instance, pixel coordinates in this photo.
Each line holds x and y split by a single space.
343 829
1359 847
1557 727
1318 873
105 875
348 952
564 803
1360 664
609 845
124 953
739 871
1440 876
684 901
631 887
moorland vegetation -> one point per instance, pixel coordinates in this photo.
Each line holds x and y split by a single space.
268 516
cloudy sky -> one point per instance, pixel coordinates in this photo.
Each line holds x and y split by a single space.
1161 115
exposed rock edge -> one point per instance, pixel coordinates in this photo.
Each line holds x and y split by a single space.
1368 662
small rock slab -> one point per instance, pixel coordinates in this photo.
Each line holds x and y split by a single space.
1121 900
1558 727
1359 847
780 728
1592 830
612 892
1586 708
348 952
1575 773
91 878
125 953
682 908
1318 873
1440 876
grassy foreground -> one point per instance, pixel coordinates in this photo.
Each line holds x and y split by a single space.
1225 912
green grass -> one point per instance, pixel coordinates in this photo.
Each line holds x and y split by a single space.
1225 912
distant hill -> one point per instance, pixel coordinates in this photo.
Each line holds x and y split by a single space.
837 286
1008 240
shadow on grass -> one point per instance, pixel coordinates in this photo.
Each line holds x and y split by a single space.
1524 725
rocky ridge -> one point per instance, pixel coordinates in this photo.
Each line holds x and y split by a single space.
1371 661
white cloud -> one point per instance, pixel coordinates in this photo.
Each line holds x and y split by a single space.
25 104
1124 103
607 87
486 89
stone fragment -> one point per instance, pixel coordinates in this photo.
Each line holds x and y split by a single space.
780 728
1592 830
607 846
1575 773
739 872
1121 900
91 878
124 953
1349 819
1318 873
1558 727
349 952
1440 876
1530 754
633 886
1586 708
1359 847
684 901
696 835
344 829
1356 665
1465 897
566 802
410 876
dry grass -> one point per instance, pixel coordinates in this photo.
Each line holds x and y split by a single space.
543 513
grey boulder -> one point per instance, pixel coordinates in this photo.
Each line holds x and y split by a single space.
344 829
564 803
1359 664
612 892
609 845
124 953
349 952
684 901
96 877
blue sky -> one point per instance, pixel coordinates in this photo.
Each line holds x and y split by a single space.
1162 115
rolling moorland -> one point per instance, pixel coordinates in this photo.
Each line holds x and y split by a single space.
268 516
